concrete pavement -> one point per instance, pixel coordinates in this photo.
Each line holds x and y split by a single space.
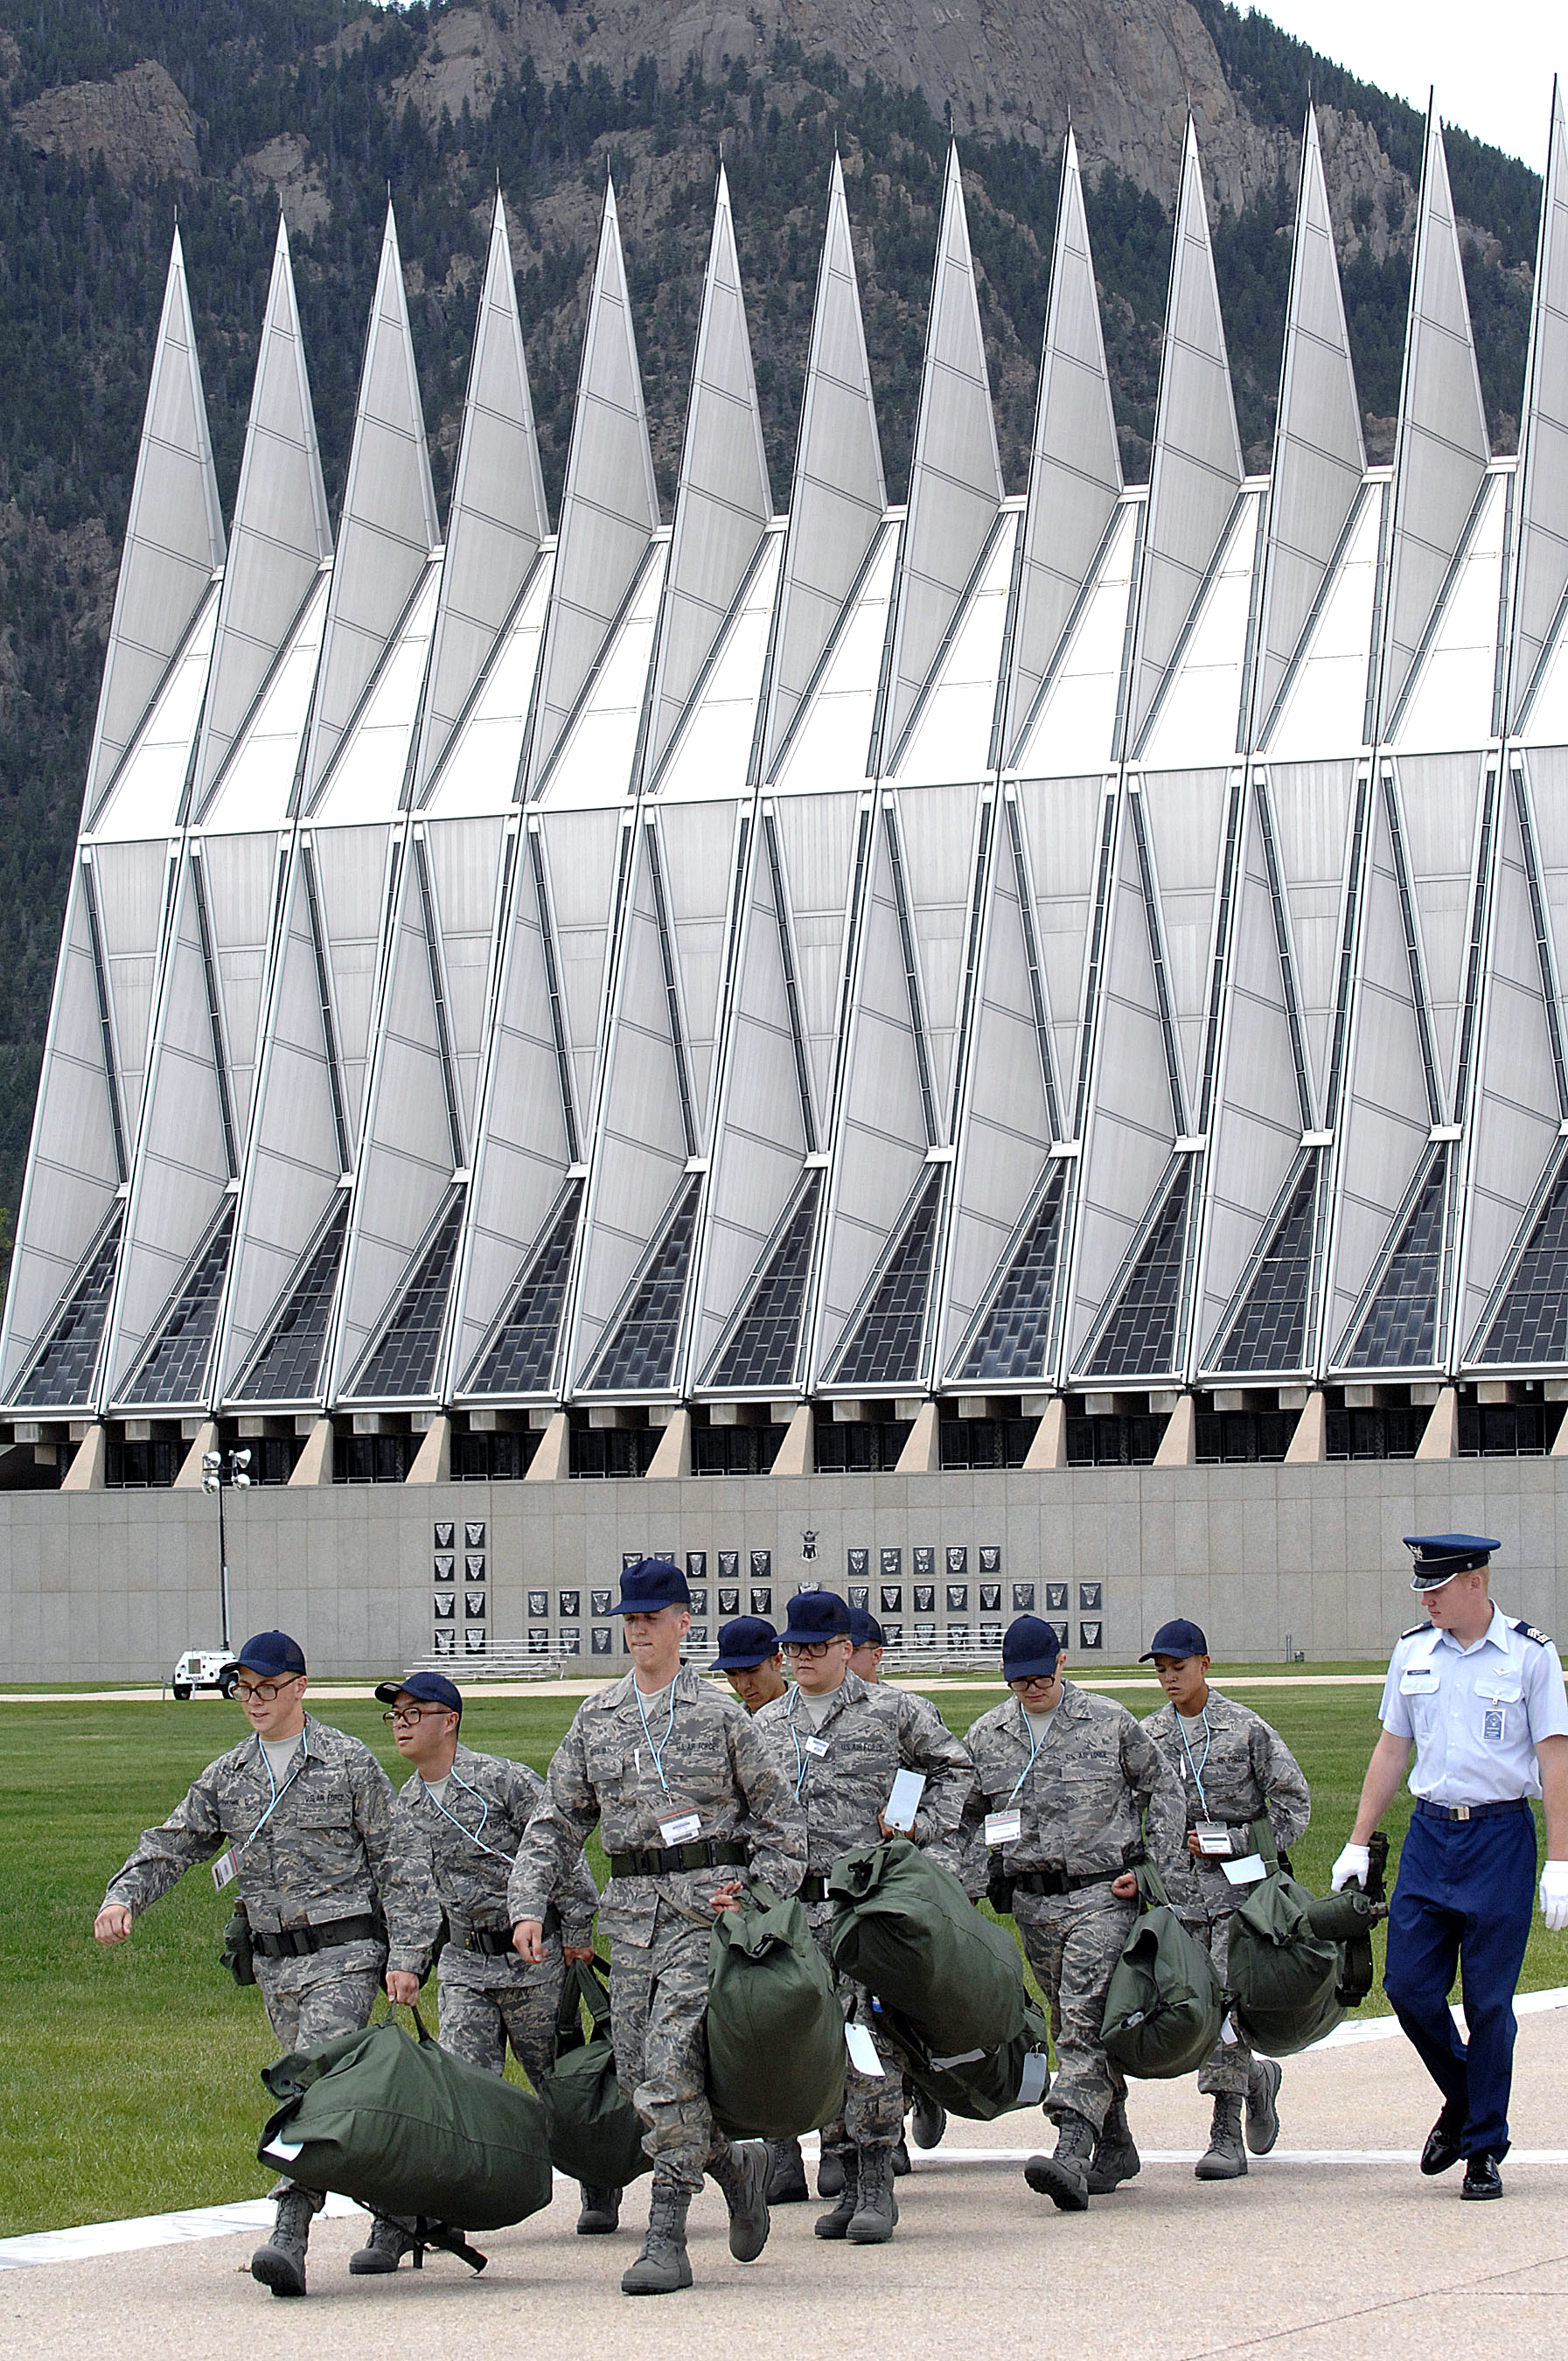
1333 2249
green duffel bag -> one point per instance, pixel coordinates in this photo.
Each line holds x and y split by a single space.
1283 1976
404 2127
776 2027
595 2134
1164 2005
904 1927
978 2083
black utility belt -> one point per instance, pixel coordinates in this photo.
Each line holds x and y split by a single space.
298 1942
1056 1880
495 1942
659 1861
1472 1811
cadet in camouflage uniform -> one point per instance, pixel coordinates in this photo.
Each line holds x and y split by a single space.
456 1826
840 1743
304 1814
1232 1768
681 1786
1092 1792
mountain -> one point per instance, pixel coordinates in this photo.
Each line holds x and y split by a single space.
116 114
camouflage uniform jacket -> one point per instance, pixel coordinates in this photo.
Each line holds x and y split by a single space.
870 1732
322 1854
452 1859
1084 1799
715 1764
1247 1770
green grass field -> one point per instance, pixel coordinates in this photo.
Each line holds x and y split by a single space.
129 2079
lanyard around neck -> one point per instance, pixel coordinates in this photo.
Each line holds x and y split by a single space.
278 1793
1035 1744
474 1835
1197 1769
656 1751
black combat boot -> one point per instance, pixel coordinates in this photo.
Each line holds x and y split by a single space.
384 2249
1115 2158
742 2172
837 2224
1064 2178
786 2173
1226 2158
830 2172
280 2263
663 2264
928 2121
1262 2111
876 2209
600 2216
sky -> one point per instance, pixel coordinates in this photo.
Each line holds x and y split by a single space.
1492 68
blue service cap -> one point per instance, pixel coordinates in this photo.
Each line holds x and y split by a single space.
816 1615
1178 1638
745 1644
272 1654
865 1631
1439 1556
1029 1645
426 1688
649 1584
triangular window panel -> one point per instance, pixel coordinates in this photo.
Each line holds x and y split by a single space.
175 1370
522 1354
402 1366
1531 1323
761 1348
1399 1331
1013 1339
642 1348
1140 1336
1269 1332
62 1373
884 1344
289 1365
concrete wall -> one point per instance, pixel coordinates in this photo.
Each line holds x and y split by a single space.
111 1584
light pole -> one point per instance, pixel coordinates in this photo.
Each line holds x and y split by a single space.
216 1478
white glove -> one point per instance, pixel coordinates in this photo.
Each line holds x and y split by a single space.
1353 1867
1554 1895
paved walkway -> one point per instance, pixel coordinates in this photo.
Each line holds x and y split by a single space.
1334 2250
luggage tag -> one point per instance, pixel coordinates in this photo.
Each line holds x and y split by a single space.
902 1805
226 1869
1245 1872
680 1828
863 2051
817 1746
1213 1838
1004 1828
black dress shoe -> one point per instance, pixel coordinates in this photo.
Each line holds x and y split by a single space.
1442 2150
1482 2178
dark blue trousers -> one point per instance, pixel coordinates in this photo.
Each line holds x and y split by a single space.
1463 1901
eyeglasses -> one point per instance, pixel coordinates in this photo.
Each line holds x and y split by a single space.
410 1715
810 1650
264 1692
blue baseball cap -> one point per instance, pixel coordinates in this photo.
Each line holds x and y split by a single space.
865 1631
745 1644
816 1615
1029 1646
426 1688
649 1584
1439 1556
272 1654
1178 1638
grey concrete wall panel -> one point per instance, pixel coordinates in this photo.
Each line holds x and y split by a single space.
1195 470
1075 468
174 542
389 524
1540 565
498 517
1319 455
838 494
1440 461
281 531
955 478
610 505
723 503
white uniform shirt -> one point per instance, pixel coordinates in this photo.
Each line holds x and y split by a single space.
1476 1714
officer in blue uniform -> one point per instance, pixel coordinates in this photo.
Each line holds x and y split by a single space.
1481 1697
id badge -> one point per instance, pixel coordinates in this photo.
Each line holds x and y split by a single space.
817 1746
226 1869
1494 1722
1004 1828
1213 1838
680 1828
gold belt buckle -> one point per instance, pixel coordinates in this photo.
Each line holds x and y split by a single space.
1462 1811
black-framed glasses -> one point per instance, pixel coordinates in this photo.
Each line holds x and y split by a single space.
264 1692
407 1717
811 1650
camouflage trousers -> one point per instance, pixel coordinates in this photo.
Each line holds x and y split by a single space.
1228 2069
658 2014
874 2105
478 2021
1072 1941
312 2000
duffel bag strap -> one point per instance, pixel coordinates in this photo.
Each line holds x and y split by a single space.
1262 1842
585 1986
1151 1886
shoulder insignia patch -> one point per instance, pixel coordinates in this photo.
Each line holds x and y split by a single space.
1416 1629
1528 1631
